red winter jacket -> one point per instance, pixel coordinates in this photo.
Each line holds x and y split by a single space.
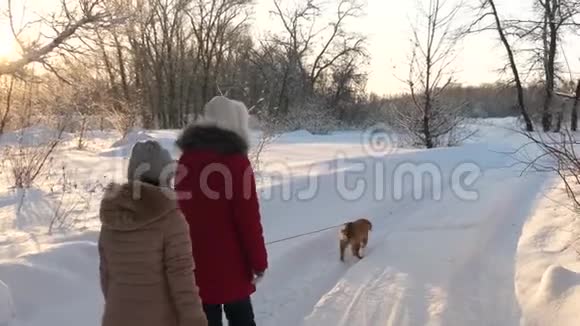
218 197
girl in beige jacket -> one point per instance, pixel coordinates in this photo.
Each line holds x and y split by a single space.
146 264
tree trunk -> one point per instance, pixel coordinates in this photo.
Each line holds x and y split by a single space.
559 118
574 117
514 68
550 67
546 114
427 107
81 143
283 97
4 118
426 130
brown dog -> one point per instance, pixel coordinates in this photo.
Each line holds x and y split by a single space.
355 234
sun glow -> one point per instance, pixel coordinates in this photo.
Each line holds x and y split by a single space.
8 49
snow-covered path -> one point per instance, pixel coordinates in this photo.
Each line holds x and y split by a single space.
441 266
446 261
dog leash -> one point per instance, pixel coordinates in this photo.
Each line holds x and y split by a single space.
304 234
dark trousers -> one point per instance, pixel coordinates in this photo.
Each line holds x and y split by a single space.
239 313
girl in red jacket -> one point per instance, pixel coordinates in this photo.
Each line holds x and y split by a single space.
218 197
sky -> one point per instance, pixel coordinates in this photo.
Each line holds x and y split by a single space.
387 23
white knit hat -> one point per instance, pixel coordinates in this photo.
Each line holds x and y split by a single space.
150 163
229 115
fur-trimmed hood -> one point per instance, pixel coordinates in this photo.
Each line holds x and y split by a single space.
131 206
203 137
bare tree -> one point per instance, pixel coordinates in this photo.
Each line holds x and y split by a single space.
346 88
339 43
489 8
546 32
168 57
551 9
575 97
428 119
307 61
172 55
215 24
299 24
86 14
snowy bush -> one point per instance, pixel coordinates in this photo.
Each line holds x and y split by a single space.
123 117
264 139
26 161
314 117
270 127
555 153
446 125
70 198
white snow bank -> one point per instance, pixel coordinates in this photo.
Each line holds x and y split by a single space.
32 136
122 147
557 300
547 266
60 275
298 134
557 282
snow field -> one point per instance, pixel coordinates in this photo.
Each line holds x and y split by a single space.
482 247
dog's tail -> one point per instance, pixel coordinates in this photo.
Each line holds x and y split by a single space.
348 230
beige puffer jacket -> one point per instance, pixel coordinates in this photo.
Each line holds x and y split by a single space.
146 264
